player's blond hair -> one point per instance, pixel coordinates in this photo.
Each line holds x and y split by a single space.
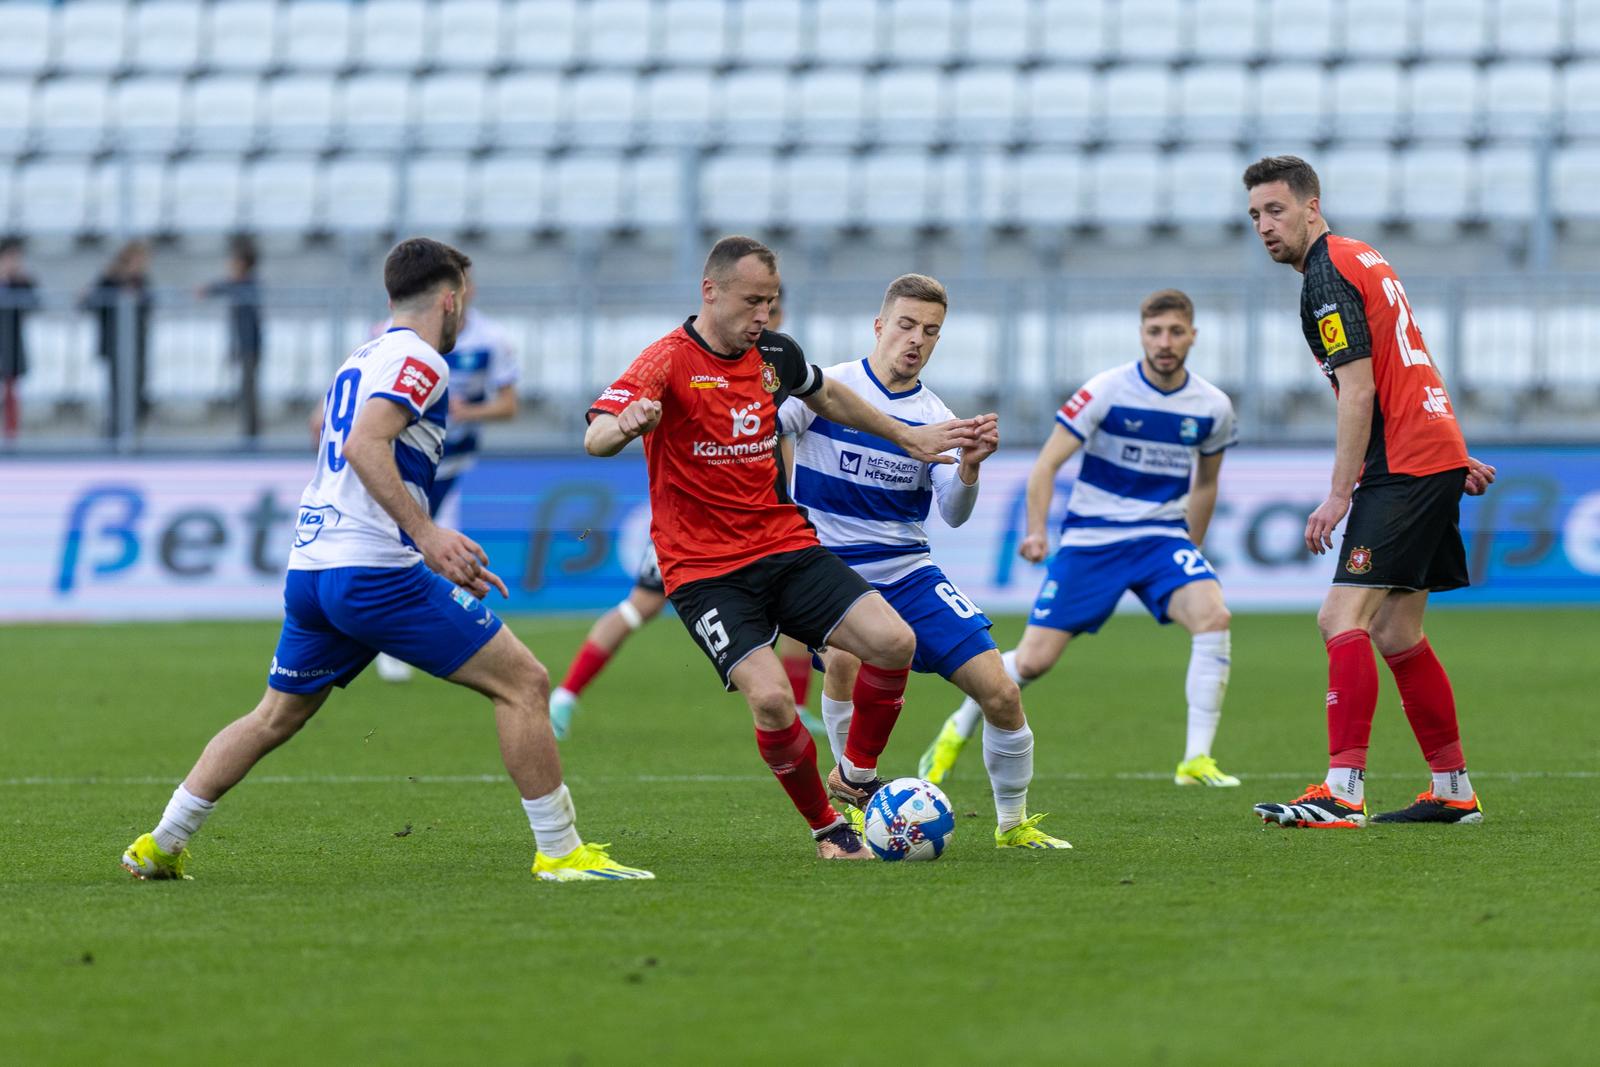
1164 300
914 287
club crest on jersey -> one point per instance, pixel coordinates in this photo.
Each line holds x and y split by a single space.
1331 329
769 377
416 380
1188 431
1360 561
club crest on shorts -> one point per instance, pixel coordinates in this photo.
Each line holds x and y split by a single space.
769 377
467 601
1360 561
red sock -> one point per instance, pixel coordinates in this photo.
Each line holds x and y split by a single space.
879 695
798 668
1352 697
1429 705
792 755
585 665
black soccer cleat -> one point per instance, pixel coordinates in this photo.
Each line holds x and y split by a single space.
1430 807
841 842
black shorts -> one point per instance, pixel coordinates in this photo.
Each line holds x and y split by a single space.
649 578
1405 533
805 593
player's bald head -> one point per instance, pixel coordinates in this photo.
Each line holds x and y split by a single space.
726 255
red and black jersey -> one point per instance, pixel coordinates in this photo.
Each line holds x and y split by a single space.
1352 306
717 498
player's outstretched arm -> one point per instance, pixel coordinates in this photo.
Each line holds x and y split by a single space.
839 403
370 453
1058 448
609 434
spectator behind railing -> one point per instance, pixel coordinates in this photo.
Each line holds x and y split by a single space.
17 298
243 293
124 331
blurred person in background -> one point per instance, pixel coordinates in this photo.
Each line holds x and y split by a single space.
17 298
126 276
243 293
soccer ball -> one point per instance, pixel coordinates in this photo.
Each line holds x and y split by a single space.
909 819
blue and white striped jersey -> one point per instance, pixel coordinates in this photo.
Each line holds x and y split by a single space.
866 497
340 525
1139 452
481 364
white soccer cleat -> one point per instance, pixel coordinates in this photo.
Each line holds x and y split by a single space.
563 706
391 669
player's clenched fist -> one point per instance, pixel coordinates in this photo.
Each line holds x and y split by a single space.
639 417
1034 548
929 443
1480 476
988 433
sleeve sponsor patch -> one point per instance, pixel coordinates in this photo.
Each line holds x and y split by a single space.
1331 329
416 381
1074 406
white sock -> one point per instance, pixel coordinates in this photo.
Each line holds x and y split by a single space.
1349 784
184 816
553 819
561 693
966 718
836 719
1205 687
858 775
1008 757
1452 785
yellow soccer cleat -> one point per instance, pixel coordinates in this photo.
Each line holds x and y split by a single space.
586 863
856 817
1026 834
1203 770
940 757
144 860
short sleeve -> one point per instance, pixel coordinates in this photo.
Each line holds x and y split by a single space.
504 369
1082 412
645 378
416 379
797 377
794 417
1338 312
1224 430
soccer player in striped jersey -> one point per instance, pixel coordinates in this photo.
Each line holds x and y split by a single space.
1153 434
869 501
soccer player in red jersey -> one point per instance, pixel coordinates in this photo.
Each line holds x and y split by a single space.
1400 467
739 560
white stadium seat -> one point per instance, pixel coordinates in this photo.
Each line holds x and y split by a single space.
695 33
678 106
450 110
618 33
740 190
1453 29
1051 189
772 32
299 111
1519 99
1435 184
147 113
1586 30
920 32
1574 179
1290 101
27 49
435 193
1150 29
601 106
1580 98
52 198
205 193
511 194
1506 180
1357 185
996 189
653 197
1530 28
359 194
544 33
393 34
69 114
1287 34
897 190
1205 191
281 195
129 196
984 105
1127 188
166 35
1226 29
91 36
1444 100
224 111
1060 103
1212 101
1135 101
755 107
242 34
525 109
831 105
1367 101
316 34
588 192
374 110
822 189
998 31
468 34
1074 30
959 196
16 106
1369 29
845 32
907 105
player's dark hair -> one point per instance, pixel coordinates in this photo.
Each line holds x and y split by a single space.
1164 300
1291 170
11 243
914 287
243 248
417 264
726 254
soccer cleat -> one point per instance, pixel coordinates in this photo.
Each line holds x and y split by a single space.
1315 809
1026 834
841 841
856 817
811 722
1203 770
144 860
563 706
856 796
940 757
586 863
1430 807
391 669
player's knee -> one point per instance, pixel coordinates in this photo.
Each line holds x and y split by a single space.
1214 619
1002 706
1031 663
772 705
897 648
1391 639
536 680
1331 620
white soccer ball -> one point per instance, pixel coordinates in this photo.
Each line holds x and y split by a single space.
909 819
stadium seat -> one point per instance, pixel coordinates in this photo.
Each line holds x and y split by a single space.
359 195
998 31
1435 185
51 198
1574 177
1127 190
147 113
959 195
129 196
1493 353
617 33
822 189
1506 181
525 110
1150 29
694 33
394 34
299 111
898 189
435 194
241 34
754 107
281 196
1212 102
512 195
653 192
601 108
1586 30
1135 102
316 35
1531 29
1205 191
1075 31
1366 101
908 105
1357 185
1051 187
831 106
588 191
69 114
468 35
1519 100
1287 34
374 111
920 32
91 36
678 107
1226 29
984 105
205 193
224 111
1290 102
165 35
27 49
1580 99
450 110
544 33
845 32
774 32
1444 100
1060 103
16 107
740 191
1368 29
1452 29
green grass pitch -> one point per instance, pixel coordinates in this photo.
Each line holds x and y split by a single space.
365 898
